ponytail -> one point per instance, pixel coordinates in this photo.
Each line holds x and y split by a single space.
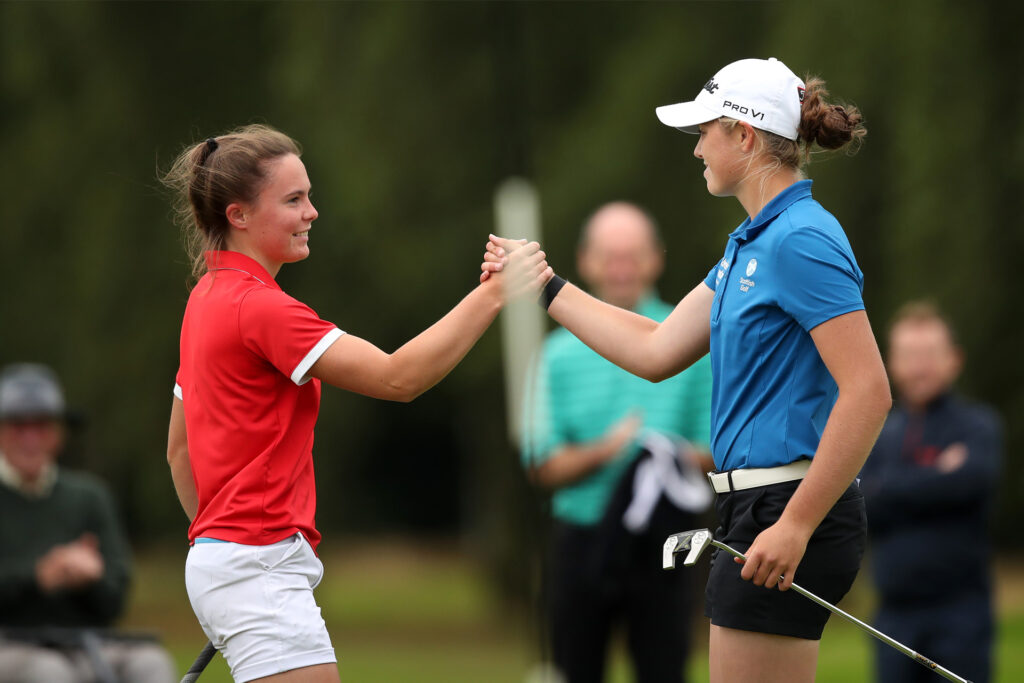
830 126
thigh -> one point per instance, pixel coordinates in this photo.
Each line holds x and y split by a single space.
659 613
960 638
891 665
828 568
140 661
580 613
256 605
736 655
25 663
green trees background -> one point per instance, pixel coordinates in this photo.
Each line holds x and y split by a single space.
411 114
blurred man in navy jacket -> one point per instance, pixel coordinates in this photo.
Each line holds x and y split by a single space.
930 485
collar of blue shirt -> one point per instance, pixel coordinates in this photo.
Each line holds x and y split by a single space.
749 228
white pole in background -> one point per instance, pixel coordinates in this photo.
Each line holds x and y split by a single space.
517 216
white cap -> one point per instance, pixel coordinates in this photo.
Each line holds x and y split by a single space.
762 92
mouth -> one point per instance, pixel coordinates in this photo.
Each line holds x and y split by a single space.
302 233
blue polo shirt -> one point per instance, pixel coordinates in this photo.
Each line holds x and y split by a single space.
785 271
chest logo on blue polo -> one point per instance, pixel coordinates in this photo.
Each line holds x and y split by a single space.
745 282
721 270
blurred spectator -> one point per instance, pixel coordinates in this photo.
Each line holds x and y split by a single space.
930 484
609 445
64 567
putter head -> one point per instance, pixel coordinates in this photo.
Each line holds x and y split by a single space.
694 541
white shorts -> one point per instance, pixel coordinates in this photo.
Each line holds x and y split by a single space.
256 605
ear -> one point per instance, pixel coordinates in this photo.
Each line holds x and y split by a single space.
236 215
747 136
584 266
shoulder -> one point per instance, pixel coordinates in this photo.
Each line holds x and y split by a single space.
815 237
260 301
82 485
808 220
981 415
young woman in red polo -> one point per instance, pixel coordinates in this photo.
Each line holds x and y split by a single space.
247 394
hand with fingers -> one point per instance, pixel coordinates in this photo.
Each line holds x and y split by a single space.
774 556
522 268
496 253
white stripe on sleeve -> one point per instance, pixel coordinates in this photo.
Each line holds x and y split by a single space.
177 391
299 373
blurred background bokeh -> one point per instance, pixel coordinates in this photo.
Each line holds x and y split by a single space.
410 115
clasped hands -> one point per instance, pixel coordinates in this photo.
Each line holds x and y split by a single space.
70 565
520 266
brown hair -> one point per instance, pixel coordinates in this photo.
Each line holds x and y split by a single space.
829 126
208 176
919 312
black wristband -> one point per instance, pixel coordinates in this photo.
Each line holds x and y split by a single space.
551 290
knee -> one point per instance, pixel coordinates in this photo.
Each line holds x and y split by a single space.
147 663
44 666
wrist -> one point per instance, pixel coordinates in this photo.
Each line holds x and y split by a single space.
551 290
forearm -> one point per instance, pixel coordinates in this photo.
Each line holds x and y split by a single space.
184 485
427 358
569 464
636 343
179 461
851 430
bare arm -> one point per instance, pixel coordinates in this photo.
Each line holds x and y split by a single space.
357 365
177 458
572 462
654 351
848 350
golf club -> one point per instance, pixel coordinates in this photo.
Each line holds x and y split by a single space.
200 664
696 541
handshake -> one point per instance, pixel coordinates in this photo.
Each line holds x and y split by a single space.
521 269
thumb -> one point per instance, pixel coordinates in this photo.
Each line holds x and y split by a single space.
89 540
506 243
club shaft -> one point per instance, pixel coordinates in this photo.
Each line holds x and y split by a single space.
919 658
199 665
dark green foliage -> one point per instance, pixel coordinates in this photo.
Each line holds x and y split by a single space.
410 114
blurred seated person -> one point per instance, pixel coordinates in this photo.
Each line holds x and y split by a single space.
64 564
930 486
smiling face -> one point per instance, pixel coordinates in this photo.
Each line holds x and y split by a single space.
719 148
274 229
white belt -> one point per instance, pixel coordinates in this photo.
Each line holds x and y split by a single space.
738 480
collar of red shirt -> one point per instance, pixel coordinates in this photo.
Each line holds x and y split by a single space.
223 259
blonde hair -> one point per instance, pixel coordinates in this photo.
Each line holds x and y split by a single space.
208 176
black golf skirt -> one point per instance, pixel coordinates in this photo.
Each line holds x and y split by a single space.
827 569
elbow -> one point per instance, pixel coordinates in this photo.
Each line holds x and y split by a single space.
174 454
877 395
883 396
404 392
656 375
542 477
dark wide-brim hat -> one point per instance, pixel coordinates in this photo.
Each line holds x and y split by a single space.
30 390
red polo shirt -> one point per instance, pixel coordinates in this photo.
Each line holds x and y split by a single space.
246 347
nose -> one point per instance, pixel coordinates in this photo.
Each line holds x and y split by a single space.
697 149
311 213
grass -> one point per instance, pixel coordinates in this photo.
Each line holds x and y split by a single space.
400 613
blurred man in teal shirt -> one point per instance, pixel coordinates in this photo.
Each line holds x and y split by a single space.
589 427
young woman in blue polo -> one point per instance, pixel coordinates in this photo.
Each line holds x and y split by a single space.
800 392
